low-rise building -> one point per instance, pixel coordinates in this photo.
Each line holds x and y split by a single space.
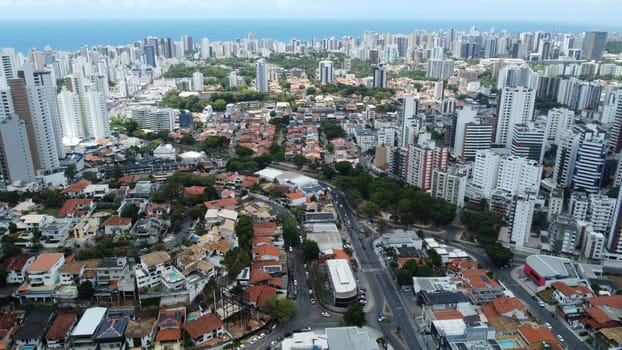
567 295
83 334
57 336
204 328
16 267
115 225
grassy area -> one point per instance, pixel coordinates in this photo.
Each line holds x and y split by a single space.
546 295
49 211
317 281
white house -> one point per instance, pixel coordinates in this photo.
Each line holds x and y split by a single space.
165 152
44 271
566 295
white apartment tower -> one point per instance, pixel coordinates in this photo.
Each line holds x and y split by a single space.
590 159
34 100
518 174
262 76
485 172
516 107
565 158
449 185
594 246
327 72
521 216
197 81
558 120
601 212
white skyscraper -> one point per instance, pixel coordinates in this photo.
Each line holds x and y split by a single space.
449 185
465 115
485 172
327 72
516 107
518 174
521 216
8 66
197 81
15 153
565 158
262 76
205 49
601 212
34 99
558 120
70 116
590 159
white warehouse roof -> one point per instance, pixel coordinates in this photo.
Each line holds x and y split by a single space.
341 276
89 322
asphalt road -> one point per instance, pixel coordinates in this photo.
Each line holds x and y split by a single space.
373 276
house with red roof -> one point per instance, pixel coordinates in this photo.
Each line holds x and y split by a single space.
16 266
481 289
204 328
225 203
57 336
76 189
257 295
169 325
44 271
507 307
194 191
76 208
115 225
265 252
567 295
534 336
296 199
603 312
265 229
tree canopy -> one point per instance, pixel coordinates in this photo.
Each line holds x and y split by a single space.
280 310
354 316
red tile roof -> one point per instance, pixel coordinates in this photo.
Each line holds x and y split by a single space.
265 250
598 315
613 301
59 328
168 334
259 294
202 325
448 315
45 261
117 221
295 195
533 335
17 262
257 276
478 279
73 206
506 304
568 291
221 203
194 190
264 229
76 187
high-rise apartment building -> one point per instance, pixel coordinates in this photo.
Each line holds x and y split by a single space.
449 185
327 72
485 171
380 76
518 174
590 159
262 76
516 107
423 159
34 100
197 81
521 216
528 141
471 133
558 120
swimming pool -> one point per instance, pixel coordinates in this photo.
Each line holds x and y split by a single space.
173 276
507 344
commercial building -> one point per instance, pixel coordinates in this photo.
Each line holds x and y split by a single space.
342 282
546 269
380 76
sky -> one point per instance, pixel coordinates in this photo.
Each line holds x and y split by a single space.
589 12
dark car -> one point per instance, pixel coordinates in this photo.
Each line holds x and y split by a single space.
583 333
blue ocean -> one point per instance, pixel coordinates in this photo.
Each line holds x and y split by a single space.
72 34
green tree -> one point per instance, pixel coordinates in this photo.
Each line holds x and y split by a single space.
130 211
310 250
86 290
70 171
235 260
187 139
343 167
499 254
219 105
299 161
354 316
242 151
382 225
280 310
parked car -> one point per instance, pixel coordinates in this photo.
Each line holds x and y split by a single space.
541 303
325 314
306 329
560 338
548 325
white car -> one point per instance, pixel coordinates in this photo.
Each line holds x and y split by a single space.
541 303
325 314
548 325
560 338
254 340
261 335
